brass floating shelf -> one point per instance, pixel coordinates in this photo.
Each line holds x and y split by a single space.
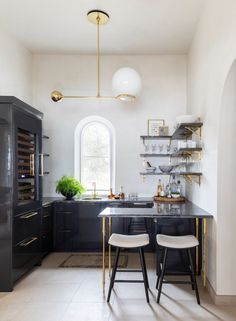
179 153
146 137
186 151
155 155
184 131
189 176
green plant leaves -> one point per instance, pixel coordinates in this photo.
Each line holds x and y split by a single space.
69 186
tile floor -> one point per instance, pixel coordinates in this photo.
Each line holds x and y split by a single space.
50 293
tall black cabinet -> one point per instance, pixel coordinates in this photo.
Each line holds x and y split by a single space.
20 189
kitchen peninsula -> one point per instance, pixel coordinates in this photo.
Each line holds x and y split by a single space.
168 217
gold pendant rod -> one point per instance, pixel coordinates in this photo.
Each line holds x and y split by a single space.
98 53
90 97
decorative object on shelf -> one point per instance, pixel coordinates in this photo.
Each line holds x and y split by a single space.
146 148
182 119
149 168
153 126
153 146
126 82
69 187
168 148
166 168
163 131
160 146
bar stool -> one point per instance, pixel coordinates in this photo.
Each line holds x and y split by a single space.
185 242
121 241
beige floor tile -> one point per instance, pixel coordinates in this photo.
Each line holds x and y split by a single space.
52 292
91 290
87 312
9 311
68 294
42 312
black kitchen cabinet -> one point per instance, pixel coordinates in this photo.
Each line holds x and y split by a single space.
90 227
47 229
66 225
20 189
77 226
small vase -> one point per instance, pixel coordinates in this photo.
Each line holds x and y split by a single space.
69 196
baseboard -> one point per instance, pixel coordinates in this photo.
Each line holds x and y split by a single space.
220 299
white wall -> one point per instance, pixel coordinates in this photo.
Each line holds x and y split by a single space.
212 52
163 96
226 184
15 67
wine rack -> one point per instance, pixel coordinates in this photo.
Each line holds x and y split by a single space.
26 166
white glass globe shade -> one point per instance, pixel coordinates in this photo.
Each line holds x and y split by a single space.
126 84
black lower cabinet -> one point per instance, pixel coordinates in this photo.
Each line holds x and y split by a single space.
90 227
78 228
27 250
47 229
66 224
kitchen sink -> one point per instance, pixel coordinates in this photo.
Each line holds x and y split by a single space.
91 198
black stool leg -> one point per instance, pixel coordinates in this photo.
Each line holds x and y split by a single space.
159 264
193 276
144 264
144 274
113 273
190 274
162 274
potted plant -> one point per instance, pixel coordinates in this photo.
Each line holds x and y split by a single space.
69 187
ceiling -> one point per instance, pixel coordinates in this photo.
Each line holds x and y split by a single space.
135 27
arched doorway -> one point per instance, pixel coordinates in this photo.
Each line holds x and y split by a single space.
226 189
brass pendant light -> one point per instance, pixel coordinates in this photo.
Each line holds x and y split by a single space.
126 81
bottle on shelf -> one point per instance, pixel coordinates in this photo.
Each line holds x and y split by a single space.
111 195
122 194
173 185
179 188
168 191
159 188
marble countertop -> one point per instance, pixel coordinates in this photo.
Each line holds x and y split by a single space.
160 210
49 200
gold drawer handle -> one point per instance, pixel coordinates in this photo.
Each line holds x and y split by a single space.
28 215
26 243
46 216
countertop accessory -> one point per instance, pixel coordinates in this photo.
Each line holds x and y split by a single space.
166 168
126 82
159 199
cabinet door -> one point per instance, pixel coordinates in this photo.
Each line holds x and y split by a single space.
26 241
65 225
28 145
47 230
89 236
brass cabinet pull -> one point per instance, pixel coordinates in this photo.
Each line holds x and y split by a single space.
46 216
28 215
46 206
27 241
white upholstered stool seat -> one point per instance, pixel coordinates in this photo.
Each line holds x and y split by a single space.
129 241
177 242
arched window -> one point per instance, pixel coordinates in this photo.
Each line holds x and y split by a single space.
95 153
